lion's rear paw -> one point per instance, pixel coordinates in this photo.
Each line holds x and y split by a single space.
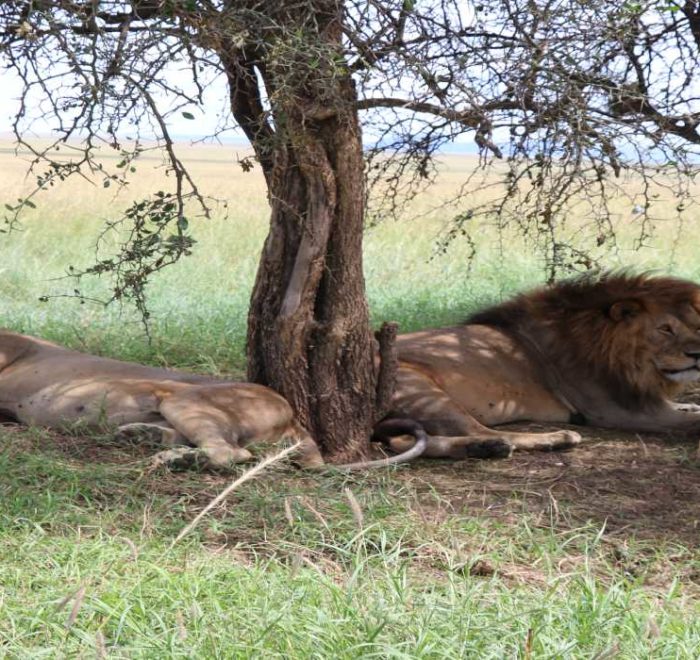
180 458
565 440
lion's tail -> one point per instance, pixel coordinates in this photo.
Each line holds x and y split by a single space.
389 428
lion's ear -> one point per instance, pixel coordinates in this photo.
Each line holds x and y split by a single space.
625 309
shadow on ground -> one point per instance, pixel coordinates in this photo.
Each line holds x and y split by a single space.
630 485
638 485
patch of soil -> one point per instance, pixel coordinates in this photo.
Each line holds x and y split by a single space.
631 484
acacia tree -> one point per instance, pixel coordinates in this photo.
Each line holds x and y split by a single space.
569 94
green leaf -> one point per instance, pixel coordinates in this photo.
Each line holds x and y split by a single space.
188 115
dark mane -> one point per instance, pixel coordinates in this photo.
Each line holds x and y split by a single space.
596 292
571 324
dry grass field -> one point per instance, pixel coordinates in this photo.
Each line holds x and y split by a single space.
406 281
591 553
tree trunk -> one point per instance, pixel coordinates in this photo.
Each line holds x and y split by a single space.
308 333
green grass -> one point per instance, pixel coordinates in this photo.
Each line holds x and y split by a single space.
259 579
440 567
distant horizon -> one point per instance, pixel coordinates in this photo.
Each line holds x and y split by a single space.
191 139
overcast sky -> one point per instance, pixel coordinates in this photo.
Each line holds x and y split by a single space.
205 122
207 118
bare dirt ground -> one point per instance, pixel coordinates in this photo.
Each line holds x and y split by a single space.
647 486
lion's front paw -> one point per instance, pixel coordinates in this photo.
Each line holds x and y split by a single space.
687 407
555 441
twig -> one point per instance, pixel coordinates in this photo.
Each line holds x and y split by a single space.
77 604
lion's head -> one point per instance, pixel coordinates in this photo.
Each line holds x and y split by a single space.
638 336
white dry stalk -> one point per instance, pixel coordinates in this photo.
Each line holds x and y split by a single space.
132 548
356 509
288 512
64 601
246 476
652 629
100 646
181 628
311 564
609 653
317 514
527 654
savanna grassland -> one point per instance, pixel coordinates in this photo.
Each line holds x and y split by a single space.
591 553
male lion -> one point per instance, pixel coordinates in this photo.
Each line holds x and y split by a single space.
49 385
607 350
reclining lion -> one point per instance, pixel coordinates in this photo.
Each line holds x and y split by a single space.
608 350
200 418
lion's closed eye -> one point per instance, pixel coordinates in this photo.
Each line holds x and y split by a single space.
666 329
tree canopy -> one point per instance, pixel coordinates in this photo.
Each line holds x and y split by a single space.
569 93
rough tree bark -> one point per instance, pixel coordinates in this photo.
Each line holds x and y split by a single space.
308 333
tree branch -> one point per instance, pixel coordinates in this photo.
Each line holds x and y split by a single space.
246 104
388 368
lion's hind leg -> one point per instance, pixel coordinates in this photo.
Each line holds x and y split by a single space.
179 454
205 426
219 420
455 433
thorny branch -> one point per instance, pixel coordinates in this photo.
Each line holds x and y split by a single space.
567 102
569 97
